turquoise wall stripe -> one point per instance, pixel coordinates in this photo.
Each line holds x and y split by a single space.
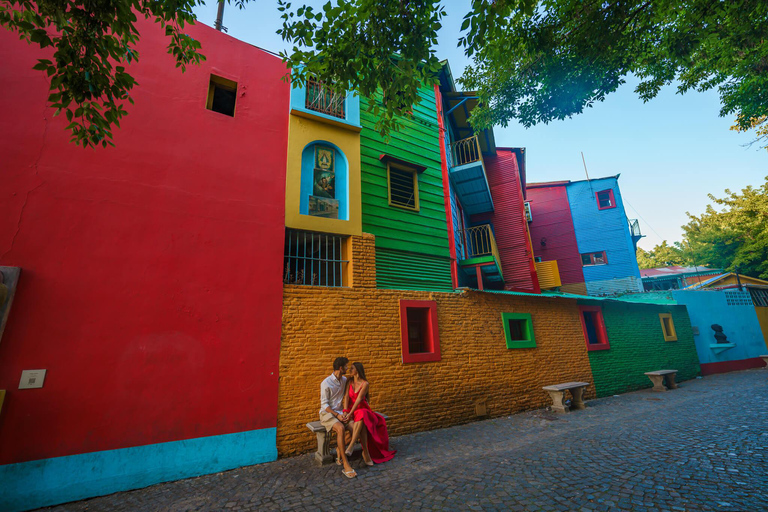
40 483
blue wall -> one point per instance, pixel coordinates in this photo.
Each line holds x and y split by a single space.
603 230
40 483
739 323
351 107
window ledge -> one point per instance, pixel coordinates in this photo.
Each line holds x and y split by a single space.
721 347
324 118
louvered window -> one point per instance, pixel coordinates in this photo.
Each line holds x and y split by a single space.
403 187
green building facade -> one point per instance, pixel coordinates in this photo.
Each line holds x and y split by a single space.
637 345
412 251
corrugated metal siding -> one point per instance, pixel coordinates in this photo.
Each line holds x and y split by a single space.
408 271
508 220
552 220
548 274
411 247
615 286
602 230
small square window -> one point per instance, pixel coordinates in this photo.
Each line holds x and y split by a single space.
594 258
668 327
605 199
518 330
420 340
222 95
403 186
593 325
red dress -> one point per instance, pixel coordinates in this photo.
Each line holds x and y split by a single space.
378 438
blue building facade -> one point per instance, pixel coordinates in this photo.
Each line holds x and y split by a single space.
603 236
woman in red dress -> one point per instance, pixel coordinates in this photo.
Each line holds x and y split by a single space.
376 449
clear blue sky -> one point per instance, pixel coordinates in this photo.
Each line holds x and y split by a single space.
671 152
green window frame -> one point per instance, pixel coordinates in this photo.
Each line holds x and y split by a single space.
524 323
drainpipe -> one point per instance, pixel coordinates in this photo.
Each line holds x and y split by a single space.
219 17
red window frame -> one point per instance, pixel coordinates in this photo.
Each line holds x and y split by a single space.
602 335
592 258
432 333
610 198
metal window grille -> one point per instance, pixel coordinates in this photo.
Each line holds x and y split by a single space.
402 187
737 298
759 297
323 99
315 259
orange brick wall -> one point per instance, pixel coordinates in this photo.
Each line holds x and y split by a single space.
363 324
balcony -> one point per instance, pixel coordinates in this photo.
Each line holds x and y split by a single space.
321 98
468 176
482 254
549 274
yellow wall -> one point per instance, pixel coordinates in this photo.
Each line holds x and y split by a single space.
762 317
303 131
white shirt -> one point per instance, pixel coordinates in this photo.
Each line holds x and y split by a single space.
332 394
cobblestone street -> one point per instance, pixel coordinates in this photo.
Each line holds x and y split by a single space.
701 447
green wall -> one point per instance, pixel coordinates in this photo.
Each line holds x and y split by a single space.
638 346
411 247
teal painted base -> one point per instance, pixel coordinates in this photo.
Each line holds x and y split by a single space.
40 483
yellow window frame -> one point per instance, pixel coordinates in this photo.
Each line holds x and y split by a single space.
415 175
218 81
672 334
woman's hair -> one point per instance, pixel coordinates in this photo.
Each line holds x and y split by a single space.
360 370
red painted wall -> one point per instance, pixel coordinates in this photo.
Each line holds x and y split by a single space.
552 220
151 285
508 219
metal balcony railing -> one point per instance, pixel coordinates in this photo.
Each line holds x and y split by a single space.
321 98
466 151
634 228
481 242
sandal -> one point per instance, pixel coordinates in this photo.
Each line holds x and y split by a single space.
338 461
349 474
368 462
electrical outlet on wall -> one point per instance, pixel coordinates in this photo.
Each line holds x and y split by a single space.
31 379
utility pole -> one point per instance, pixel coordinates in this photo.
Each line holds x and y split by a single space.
220 17
738 281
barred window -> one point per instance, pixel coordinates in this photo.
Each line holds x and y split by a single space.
323 99
759 297
315 259
403 187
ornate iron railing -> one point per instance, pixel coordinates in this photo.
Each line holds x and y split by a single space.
634 227
481 242
466 151
321 98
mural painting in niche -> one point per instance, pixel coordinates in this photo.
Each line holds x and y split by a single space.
323 202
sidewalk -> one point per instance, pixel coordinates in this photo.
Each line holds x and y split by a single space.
701 447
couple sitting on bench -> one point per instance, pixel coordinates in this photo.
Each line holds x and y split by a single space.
344 409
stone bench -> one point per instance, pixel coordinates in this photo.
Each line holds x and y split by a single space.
658 378
557 393
323 453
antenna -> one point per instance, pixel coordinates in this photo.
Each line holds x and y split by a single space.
585 165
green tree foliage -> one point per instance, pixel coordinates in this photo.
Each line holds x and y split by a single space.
662 255
534 61
735 235
551 61
92 44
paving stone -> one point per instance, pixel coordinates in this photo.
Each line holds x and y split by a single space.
682 452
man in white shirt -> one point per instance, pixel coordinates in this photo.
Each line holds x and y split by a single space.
331 412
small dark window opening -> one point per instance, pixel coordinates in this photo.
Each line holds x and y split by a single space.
418 330
222 96
667 326
604 199
590 324
517 330
586 259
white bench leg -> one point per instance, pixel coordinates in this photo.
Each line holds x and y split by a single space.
658 382
578 398
671 384
323 453
558 401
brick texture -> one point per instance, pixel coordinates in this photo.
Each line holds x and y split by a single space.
363 324
363 261
638 346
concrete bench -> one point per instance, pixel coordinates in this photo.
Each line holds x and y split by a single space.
658 378
323 453
557 393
